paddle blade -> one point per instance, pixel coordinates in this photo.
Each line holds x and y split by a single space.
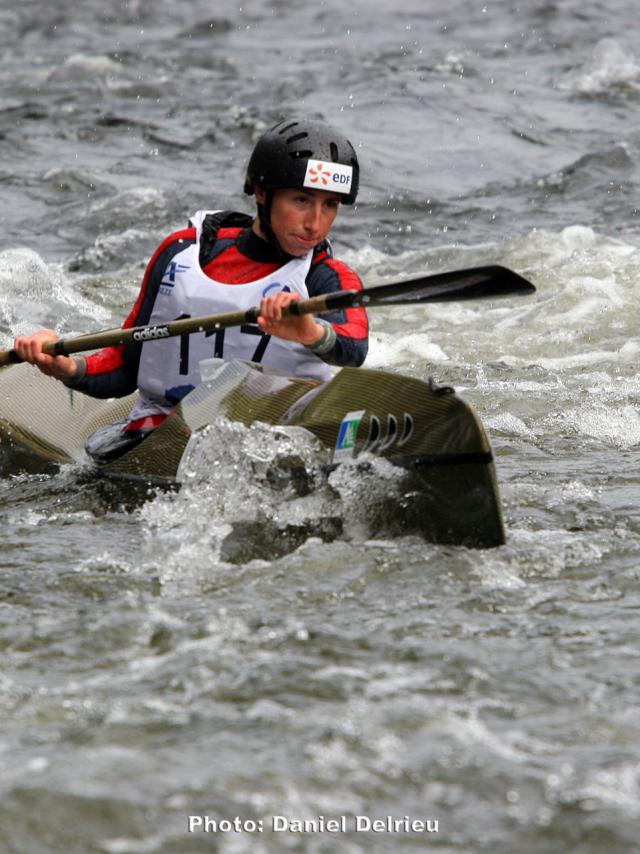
474 283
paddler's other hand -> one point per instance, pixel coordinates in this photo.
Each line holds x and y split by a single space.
303 328
29 348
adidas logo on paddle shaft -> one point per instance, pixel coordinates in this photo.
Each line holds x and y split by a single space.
151 332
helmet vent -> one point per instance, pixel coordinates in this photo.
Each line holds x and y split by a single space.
287 127
297 136
333 148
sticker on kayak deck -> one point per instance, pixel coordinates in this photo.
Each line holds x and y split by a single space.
347 435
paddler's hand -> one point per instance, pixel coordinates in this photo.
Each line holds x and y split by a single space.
29 349
304 329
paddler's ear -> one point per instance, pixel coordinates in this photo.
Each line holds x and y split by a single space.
260 194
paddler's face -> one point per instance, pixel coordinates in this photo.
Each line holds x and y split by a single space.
301 219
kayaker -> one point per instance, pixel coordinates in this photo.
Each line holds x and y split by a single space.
300 172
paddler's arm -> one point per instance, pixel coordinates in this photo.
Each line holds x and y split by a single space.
113 371
347 343
72 370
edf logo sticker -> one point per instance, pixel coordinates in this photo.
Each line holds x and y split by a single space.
328 176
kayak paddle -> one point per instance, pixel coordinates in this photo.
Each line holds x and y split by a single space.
473 283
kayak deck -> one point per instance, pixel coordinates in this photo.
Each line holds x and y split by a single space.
430 432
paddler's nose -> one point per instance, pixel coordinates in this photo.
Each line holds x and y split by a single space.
313 218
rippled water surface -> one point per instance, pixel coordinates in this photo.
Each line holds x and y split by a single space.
236 649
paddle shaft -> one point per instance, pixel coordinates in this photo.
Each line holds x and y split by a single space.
184 326
473 283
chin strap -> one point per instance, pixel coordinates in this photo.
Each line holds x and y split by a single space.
264 216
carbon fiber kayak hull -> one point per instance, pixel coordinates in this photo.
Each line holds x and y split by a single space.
430 432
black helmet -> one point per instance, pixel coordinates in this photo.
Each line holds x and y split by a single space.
300 153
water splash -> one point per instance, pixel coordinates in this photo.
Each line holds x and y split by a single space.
613 70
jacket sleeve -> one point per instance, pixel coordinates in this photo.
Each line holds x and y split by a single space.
113 372
351 325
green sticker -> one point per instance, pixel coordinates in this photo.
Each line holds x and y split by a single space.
347 434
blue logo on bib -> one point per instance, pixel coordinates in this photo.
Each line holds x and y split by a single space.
275 286
169 278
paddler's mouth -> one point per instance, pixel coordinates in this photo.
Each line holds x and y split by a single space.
302 242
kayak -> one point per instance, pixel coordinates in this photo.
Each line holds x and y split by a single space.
428 431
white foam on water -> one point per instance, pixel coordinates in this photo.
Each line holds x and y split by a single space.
388 349
109 248
550 552
551 496
617 786
571 491
511 744
612 67
585 305
496 575
617 426
627 353
510 424
98 64
377 267
130 208
35 294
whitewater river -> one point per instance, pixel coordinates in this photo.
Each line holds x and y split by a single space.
494 696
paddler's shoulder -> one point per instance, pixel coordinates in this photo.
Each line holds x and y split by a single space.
175 241
212 225
223 225
328 274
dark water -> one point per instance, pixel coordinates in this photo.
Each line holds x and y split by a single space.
147 677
